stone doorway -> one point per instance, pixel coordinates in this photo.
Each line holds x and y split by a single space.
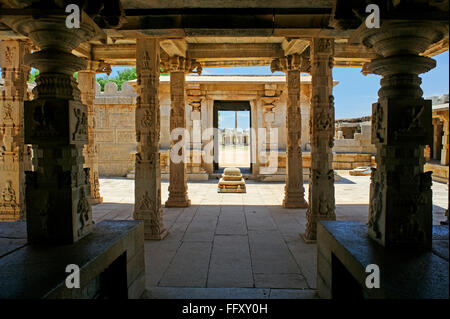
237 142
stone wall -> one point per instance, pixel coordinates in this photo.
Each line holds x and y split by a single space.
359 142
115 129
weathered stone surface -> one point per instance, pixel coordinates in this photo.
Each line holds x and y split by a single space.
400 211
148 174
178 66
294 192
15 156
33 272
321 181
87 86
404 273
57 192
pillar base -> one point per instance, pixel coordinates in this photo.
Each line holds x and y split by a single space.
177 202
160 236
307 240
95 201
298 203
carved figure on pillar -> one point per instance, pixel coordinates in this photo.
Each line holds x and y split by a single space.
400 211
178 67
321 181
148 172
294 191
13 155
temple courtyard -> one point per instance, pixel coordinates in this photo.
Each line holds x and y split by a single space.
237 245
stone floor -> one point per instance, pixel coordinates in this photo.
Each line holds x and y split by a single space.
237 245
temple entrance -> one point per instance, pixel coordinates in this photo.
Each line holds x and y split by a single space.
232 139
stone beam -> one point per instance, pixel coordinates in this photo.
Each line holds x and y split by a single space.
294 46
175 47
206 51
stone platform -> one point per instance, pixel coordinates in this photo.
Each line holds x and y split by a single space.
344 251
111 262
231 181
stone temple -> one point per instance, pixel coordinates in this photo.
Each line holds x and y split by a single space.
102 175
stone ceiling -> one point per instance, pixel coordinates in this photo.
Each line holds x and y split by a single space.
219 33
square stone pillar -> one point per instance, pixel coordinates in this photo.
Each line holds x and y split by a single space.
437 139
178 66
147 191
12 149
294 191
400 212
445 143
87 86
321 181
57 192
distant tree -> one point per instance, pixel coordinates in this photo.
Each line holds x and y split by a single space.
121 77
33 75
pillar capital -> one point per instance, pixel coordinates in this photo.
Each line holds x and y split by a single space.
181 64
97 66
293 62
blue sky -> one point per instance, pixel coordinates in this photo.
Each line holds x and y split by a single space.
355 93
226 119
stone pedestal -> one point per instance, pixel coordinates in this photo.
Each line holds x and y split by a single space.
231 181
13 152
148 172
294 192
400 213
57 192
321 181
178 66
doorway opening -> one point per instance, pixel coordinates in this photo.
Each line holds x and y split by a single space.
232 140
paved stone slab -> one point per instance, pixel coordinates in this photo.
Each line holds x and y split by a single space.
293 294
206 293
189 267
230 264
201 228
270 254
231 223
259 219
280 281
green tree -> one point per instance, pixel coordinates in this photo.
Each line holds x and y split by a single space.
121 77
33 74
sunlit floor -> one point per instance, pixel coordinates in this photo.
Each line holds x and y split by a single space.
237 245
234 156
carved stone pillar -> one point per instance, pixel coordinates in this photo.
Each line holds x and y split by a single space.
445 143
437 138
294 192
87 86
148 172
13 152
57 192
321 181
400 212
178 66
